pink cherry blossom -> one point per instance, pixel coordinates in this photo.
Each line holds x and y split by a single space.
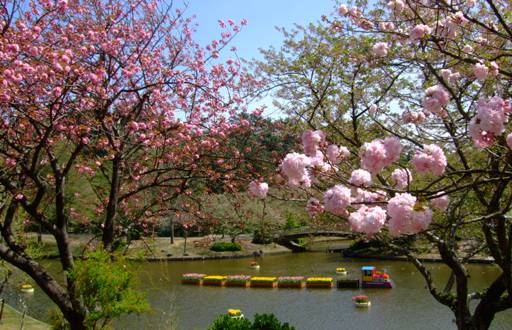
336 154
311 140
378 154
363 196
494 69
410 117
419 31
380 49
441 202
449 76
368 220
10 162
436 98
481 71
314 207
373 109
318 165
467 49
445 73
337 199
430 159
386 26
459 19
360 178
509 140
393 149
406 217
396 5
402 177
488 122
295 167
258 189
343 10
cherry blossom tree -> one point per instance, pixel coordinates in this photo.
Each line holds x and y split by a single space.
117 92
405 107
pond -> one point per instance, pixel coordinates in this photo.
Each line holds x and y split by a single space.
176 306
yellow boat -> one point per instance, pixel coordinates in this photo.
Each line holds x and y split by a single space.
341 271
27 288
235 314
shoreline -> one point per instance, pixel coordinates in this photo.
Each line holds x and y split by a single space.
161 250
209 257
424 258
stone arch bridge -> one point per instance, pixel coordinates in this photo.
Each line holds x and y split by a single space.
290 238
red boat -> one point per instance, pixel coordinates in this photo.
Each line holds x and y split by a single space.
371 278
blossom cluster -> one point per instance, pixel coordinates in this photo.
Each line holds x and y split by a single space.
430 159
302 169
361 204
489 120
258 189
369 220
378 154
406 216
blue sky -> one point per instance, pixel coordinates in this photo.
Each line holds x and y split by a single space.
263 16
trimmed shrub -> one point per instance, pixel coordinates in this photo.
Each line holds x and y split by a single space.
269 322
261 322
260 237
225 246
226 322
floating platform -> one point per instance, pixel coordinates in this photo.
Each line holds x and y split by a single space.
347 284
298 285
319 282
381 285
192 282
237 284
214 280
371 278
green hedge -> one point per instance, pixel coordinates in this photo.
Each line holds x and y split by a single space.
225 246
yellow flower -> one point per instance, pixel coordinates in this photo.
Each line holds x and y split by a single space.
234 312
319 279
215 277
263 279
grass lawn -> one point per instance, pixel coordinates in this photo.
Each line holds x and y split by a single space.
11 320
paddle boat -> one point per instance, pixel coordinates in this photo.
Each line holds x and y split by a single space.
341 271
371 278
361 301
254 265
235 314
27 288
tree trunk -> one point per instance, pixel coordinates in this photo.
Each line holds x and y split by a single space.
487 307
74 314
172 230
40 234
465 322
484 320
108 225
185 243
